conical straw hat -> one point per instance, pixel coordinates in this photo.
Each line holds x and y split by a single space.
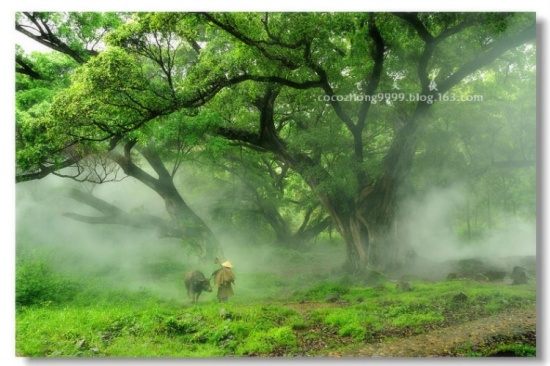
227 264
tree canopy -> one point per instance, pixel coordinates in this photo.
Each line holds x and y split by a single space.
342 115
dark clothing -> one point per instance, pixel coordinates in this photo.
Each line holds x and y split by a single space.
224 277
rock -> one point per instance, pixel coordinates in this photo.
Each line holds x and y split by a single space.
494 275
481 277
333 298
452 276
461 297
403 286
519 276
469 263
359 299
224 314
373 277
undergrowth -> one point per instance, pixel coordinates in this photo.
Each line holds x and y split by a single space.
84 316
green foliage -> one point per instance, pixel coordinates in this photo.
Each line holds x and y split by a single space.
322 290
142 324
261 342
195 83
36 282
518 350
500 350
415 318
351 324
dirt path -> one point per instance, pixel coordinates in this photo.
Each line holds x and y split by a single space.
455 340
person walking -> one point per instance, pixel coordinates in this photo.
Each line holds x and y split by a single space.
224 278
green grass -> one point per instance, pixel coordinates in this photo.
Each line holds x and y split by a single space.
128 324
518 350
269 315
501 350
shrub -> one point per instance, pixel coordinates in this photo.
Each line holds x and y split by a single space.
416 318
353 330
37 283
322 290
515 350
265 342
350 322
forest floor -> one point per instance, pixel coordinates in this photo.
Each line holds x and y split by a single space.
466 339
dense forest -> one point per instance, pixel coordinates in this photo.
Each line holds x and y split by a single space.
369 144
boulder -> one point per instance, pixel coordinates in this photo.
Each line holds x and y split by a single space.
519 276
461 297
495 275
333 298
453 276
481 277
403 286
374 277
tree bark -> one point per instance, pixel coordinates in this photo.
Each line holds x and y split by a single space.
186 224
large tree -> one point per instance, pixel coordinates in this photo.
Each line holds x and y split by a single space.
275 83
105 120
299 57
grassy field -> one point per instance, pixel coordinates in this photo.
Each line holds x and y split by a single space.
293 313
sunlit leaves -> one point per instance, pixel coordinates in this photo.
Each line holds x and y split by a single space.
108 96
177 78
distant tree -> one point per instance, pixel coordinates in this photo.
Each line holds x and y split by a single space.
264 192
493 146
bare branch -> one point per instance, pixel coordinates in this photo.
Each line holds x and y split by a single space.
113 215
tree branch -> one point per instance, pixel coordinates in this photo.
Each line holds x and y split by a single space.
412 19
112 215
499 47
130 168
47 38
45 170
24 68
258 44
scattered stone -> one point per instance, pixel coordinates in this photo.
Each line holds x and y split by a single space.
225 314
452 276
461 297
519 276
333 298
470 263
403 286
494 275
481 277
373 277
359 299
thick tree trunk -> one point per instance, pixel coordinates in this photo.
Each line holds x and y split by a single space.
374 244
186 224
183 224
190 227
371 231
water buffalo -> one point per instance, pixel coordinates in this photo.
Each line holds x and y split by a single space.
195 283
